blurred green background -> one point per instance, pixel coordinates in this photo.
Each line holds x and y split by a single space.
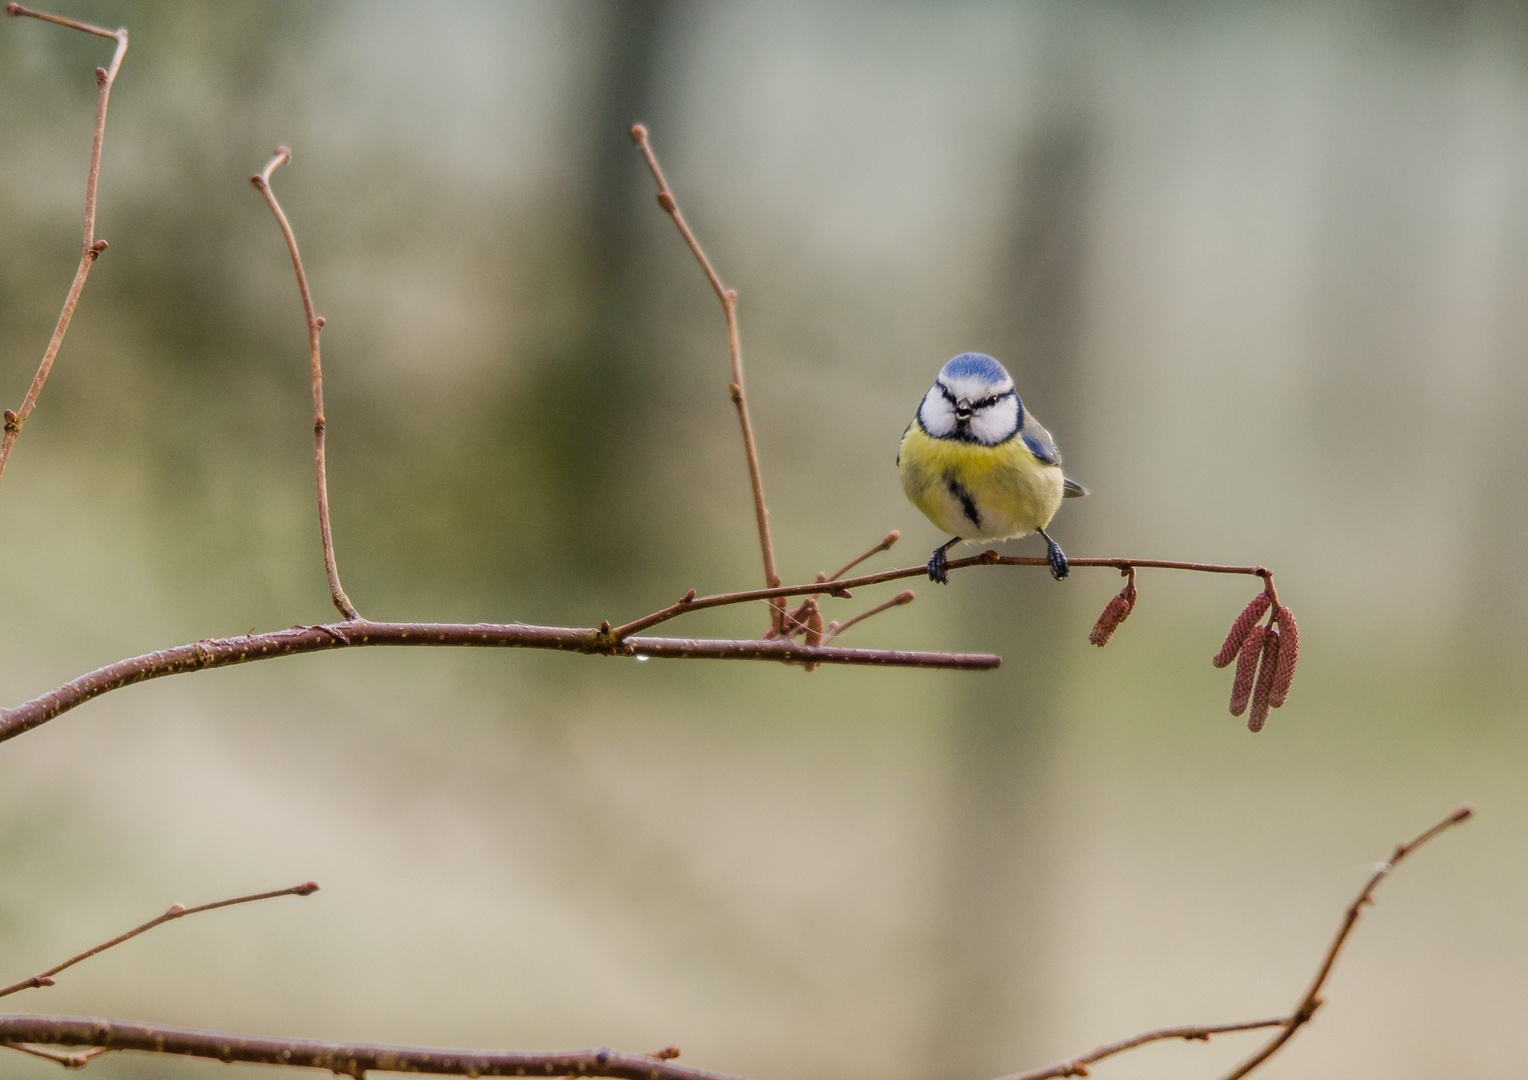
1262 269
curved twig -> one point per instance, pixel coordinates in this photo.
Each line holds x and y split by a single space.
1079 1066
1312 999
92 248
728 297
262 181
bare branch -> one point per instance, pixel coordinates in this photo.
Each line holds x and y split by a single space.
222 652
728 297
91 248
346 1059
885 545
605 641
355 1059
262 181
1079 1066
1312 999
176 911
985 558
834 629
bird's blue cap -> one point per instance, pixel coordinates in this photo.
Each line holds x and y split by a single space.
974 365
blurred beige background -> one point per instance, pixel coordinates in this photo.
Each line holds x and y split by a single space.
1263 271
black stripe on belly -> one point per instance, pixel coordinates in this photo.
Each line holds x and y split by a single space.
967 503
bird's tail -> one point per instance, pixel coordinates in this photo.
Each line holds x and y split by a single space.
1071 489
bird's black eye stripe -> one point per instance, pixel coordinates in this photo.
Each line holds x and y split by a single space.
984 403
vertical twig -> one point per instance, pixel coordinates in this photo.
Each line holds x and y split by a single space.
91 248
728 297
262 180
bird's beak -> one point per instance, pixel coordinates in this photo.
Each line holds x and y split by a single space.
963 409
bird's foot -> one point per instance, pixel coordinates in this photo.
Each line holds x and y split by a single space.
1059 567
939 567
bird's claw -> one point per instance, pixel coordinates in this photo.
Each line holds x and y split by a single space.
939 567
1059 567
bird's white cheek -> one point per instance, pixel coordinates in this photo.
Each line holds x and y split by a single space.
997 422
936 414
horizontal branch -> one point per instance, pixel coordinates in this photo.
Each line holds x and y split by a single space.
986 558
347 1059
605 641
222 652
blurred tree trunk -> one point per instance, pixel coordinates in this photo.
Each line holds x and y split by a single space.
587 405
1000 878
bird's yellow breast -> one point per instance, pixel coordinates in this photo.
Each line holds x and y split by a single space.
978 492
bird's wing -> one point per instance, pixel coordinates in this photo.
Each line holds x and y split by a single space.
1071 489
1038 440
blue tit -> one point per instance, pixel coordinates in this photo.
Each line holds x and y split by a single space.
979 465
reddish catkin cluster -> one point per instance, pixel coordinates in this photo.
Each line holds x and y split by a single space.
1115 612
1265 659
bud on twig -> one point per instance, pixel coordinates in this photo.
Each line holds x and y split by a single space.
1289 652
1265 672
1241 628
1246 670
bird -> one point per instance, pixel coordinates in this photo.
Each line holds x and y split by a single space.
979 465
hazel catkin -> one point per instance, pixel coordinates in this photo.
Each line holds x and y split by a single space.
1241 628
1289 652
1265 673
1246 670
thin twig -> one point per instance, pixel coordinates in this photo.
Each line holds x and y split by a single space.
1079 1066
176 911
91 248
834 629
262 181
69 1061
728 298
1312 999
885 545
985 558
